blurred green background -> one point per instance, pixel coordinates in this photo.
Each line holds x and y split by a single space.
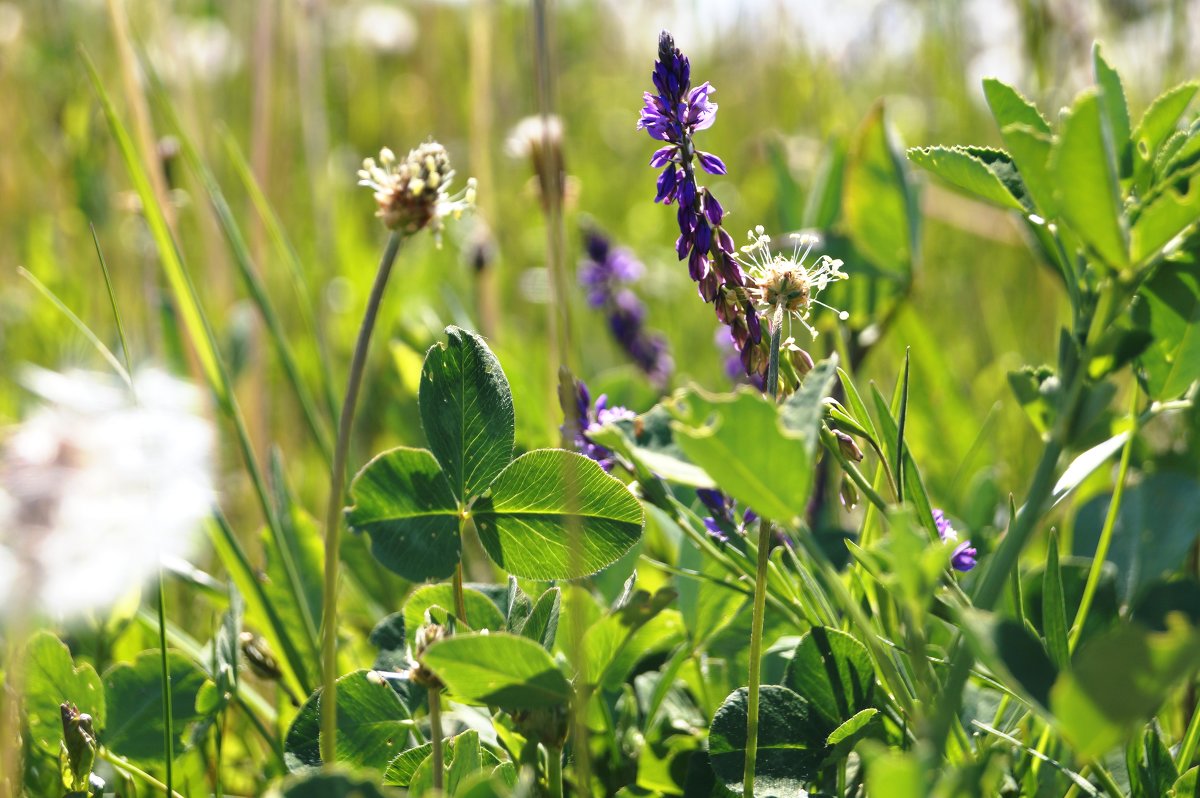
304 89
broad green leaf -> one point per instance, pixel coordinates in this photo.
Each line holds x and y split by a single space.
1054 609
466 759
1014 656
740 440
1171 213
549 501
1084 167
803 411
51 679
852 727
400 771
1030 150
880 208
482 613
1118 681
1171 311
467 412
1009 107
498 669
1156 525
790 748
833 672
824 202
967 172
1187 785
657 635
1115 108
302 744
134 701
328 785
403 501
372 723
1155 604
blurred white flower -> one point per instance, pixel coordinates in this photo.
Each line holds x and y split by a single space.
195 49
101 484
375 26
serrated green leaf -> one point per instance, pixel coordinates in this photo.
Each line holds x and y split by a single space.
790 745
542 623
833 672
1116 110
545 497
1171 311
482 612
1159 123
51 679
714 431
134 700
400 771
499 669
1171 212
467 412
1084 168
1009 107
965 171
403 501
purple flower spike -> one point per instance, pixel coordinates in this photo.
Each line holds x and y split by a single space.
673 114
965 556
604 273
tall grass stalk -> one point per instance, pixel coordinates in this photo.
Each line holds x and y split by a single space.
333 516
760 589
165 670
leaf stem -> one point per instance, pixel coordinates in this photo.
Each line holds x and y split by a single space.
168 715
460 600
554 771
333 519
435 736
124 765
760 590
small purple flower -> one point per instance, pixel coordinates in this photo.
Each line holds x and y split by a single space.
673 115
964 556
581 417
722 521
603 274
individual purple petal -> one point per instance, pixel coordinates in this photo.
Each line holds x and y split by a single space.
713 209
965 557
702 237
698 265
666 184
711 163
662 156
683 244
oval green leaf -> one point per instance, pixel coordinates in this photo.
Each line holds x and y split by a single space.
833 672
134 698
499 669
403 501
788 755
51 679
466 411
482 613
545 497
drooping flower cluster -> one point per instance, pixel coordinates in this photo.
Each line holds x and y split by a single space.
673 115
581 417
722 521
99 488
415 193
964 556
604 273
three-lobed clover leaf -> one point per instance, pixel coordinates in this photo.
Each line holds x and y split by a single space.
548 514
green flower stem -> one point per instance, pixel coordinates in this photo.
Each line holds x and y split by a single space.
460 600
554 771
760 590
1106 533
168 715
435 736
127 767
333 518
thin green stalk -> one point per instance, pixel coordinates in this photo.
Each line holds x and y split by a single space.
165 666
125 766
760 590
1106 533
112 300
554 771
333 517
460 600
435 736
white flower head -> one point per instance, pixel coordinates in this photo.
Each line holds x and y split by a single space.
784 283
414 193
101 483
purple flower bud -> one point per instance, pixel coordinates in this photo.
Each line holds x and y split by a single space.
661 157
666 185
964 557
711 163
847 445
714 211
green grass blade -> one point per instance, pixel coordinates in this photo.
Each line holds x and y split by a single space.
1054 610
112 300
